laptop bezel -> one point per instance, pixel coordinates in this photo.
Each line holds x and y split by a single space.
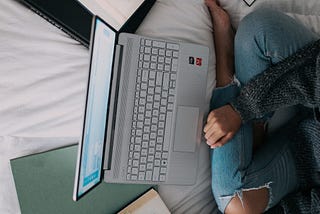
76 197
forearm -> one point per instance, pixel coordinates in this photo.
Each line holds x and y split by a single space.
223 40
293 81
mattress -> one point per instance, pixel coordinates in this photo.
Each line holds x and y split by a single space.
44 75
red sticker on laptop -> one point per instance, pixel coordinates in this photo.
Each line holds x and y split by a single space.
199 61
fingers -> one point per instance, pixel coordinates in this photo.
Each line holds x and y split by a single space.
222 141
215 137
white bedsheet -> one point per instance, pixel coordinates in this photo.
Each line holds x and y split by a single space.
42 89
44 73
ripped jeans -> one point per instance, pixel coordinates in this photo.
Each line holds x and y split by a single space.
263 38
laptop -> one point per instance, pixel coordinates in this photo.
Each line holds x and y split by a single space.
144 110
74 17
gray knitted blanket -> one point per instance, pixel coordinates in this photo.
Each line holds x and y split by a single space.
295 80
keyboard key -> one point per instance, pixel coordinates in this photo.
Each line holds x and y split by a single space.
152 74
162 117
137 148
144 152
147 42
141 176
153 128
161 124
135 163
143 160
152 143
160 67
154 58
157 97
163 170
158 44
136 155
157 163
156 105
171 99
149 106
175 54
151 151
153 135
147 50
172 46
164 94
168 53
155 174
146 65
134 177
164 163
162 178
162 52
160 59
146 57
166 142
167 67
151 83
159 79
168 60
134 171
148 113
153 65
165 155
159 139
165 84
154 51
145 144
149 175
142 167
147 121
160 132
144 77
150 165
157 90
159 148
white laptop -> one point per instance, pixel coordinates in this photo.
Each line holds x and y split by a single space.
144 110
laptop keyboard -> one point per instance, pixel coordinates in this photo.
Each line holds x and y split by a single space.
152 114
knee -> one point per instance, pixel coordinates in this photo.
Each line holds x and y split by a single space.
251 202
253 28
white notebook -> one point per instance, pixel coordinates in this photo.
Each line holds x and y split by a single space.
150 202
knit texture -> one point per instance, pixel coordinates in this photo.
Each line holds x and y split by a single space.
295 80
306 144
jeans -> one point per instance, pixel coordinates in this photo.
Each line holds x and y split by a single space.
263 38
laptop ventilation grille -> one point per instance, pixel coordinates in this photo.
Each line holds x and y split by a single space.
122 112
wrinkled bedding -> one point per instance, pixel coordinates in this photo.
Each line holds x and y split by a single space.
44 74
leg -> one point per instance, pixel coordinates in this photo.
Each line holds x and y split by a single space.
265 37
252 183
238 178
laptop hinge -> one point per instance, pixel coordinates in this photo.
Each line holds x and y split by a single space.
113 108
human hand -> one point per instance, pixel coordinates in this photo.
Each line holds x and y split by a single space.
222 124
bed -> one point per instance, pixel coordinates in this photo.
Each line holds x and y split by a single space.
44 75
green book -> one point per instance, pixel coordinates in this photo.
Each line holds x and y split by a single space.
44 184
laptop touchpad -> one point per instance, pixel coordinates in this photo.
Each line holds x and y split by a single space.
186 129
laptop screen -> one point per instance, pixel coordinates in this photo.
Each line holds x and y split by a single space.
93 136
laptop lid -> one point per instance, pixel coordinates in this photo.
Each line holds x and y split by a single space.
91 146
74 16
68 15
